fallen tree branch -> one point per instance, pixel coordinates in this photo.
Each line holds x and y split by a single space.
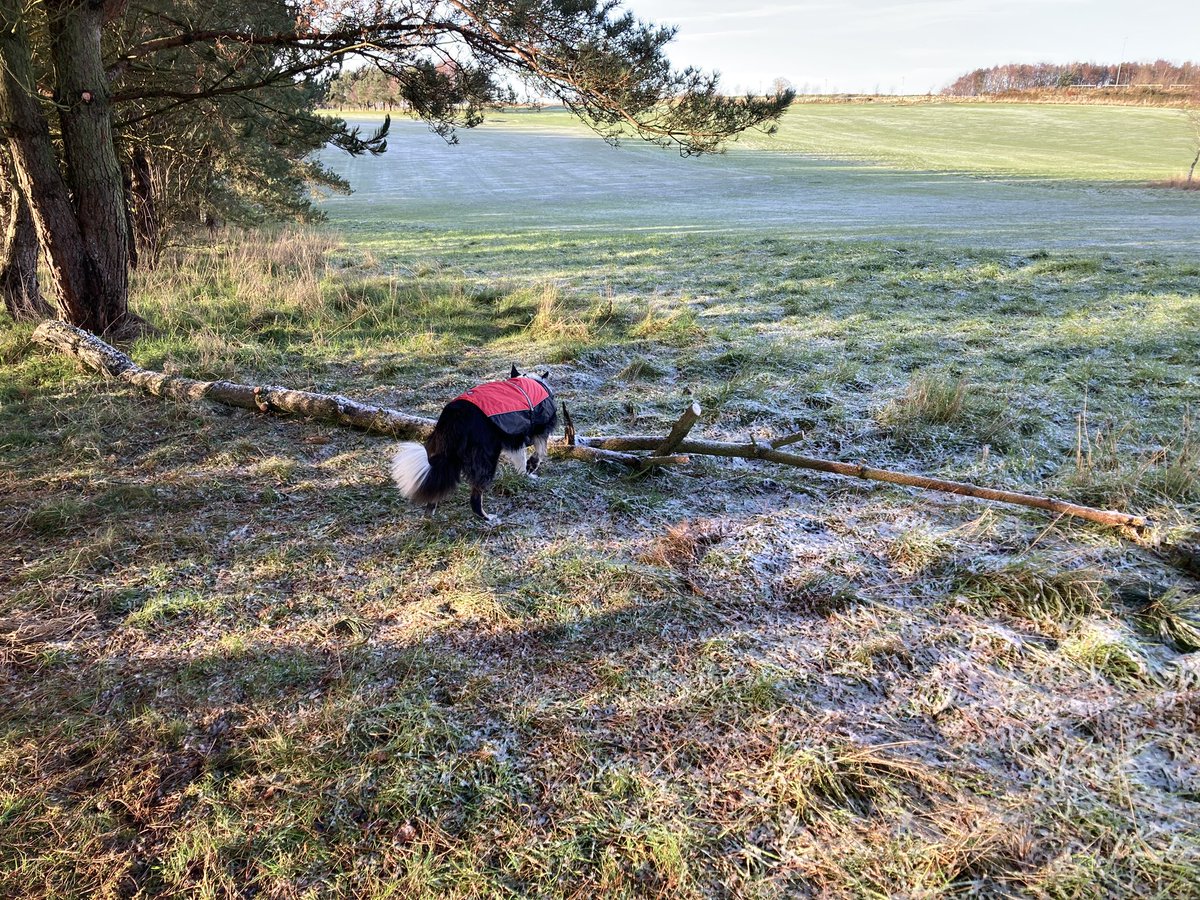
615 448
792 438
563 450
568 448
768 453
110 361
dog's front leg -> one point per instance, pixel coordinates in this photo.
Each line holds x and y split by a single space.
539 453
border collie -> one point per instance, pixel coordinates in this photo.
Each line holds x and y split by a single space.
499 418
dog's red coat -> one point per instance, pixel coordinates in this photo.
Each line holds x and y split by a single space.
499 397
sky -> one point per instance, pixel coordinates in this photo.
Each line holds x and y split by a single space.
893 47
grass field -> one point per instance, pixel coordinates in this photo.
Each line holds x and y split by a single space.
533 170
235 663
1078 143
1082 143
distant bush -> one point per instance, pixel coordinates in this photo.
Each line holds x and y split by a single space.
1179 184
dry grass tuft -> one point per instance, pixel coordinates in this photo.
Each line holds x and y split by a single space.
815 594
1179 183
1034 590
918 550
928 400
814 781
640 368
1175 617
940 411
683 545
1110 472
23 635
677 326
552 318
1106 652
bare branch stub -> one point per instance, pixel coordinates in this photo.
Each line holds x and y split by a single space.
680 429
568 426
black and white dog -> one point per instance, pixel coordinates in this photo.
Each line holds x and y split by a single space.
499 418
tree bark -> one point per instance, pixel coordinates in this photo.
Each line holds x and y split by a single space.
130 239
146 229
37 175
19 253
93 171
109 361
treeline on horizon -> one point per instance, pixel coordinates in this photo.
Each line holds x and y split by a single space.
369 88
1051 76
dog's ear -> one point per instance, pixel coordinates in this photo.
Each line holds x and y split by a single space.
515 373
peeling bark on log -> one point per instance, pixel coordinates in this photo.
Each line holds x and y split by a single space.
615 448
327 407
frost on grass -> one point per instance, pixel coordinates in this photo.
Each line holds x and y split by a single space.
235 661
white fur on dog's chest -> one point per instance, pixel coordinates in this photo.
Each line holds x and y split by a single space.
518 458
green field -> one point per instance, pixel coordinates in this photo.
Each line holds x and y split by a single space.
1083 143
874 173
236 663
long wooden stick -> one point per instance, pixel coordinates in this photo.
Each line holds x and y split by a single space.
562 450
870 473
614 448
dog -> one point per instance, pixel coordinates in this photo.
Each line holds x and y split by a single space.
492 420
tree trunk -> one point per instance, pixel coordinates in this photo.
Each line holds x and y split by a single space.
1192 170
38 176
93 170
146 229
19 254
130 239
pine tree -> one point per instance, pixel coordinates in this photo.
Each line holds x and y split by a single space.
213 106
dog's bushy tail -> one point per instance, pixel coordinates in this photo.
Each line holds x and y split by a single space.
421 479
